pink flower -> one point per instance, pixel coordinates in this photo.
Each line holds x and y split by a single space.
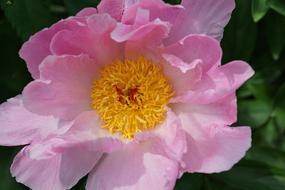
132 93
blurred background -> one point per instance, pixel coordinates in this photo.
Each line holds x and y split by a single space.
256 33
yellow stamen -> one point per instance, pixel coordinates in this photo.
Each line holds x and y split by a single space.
131 96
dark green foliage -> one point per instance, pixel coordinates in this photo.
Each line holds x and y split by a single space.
240 34
27 16
277 5
74 6
275 33
256 33
259 9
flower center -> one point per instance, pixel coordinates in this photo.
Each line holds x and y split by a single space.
131 96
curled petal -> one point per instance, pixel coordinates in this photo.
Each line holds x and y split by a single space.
195 48
37 48
128 32
218 83
91 38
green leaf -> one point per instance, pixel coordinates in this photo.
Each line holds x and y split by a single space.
267 70
269 133
190 181
279 111
173 2
27 16
73 6
275 31
13 72
279 114
7 182
259 88
80 185
249 175
259 9
240 34
254 113
278 6
268 155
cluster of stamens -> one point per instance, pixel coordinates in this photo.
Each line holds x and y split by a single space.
131 96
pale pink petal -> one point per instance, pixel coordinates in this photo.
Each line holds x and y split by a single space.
143 37
143 41
125 10
85 131
65 86
192 48
213 148
201 17
106 50
131 32
182 76
168 135
92 38
87 12
72 42
218 83
18 126
37 174
115 8
187 60
157 8
38 46
76 162
182 81
138 166
222 112
57 173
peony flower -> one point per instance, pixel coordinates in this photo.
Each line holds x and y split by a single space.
132 93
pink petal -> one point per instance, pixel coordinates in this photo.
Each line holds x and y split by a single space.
135 32
143 37
201 17
72 42
169 136
222 112
157 8
137 166
195 47
86 131
57 173
92 38
106 50
213 148
18 126
38 47
218 83
115 8
65 87
87 12
182 81
77 162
